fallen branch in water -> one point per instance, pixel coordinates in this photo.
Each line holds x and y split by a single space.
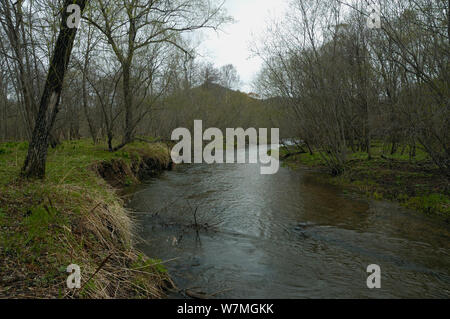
196 295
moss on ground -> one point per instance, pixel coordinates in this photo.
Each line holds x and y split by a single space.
75 216
413 182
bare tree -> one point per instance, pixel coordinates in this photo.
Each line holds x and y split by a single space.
134 25
35 161
345 83
229 76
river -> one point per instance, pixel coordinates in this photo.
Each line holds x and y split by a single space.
228 231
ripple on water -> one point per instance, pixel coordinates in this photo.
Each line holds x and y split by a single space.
285 236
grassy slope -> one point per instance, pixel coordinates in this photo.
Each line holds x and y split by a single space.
415 184
73 216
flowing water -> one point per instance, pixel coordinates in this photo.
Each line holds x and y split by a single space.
230 232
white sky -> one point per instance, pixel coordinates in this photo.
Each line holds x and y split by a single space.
231 46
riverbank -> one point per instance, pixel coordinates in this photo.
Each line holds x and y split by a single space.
76 216
414 183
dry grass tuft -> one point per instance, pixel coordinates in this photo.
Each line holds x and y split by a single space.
76 217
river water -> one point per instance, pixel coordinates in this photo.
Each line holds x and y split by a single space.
228 231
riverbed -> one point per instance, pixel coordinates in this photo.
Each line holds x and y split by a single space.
229 232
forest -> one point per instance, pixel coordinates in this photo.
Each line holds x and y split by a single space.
345 85
338 85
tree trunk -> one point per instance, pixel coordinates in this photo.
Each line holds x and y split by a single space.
18 45
92 129
128 101
110 138
394 147
5 123
34 166
311 152
369 146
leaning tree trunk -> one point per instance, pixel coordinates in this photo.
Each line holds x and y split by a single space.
35 161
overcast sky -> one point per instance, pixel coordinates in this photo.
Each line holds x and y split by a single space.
232 45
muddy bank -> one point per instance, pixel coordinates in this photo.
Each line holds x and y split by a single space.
415 184
142 165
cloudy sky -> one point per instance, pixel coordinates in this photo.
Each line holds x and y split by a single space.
232 44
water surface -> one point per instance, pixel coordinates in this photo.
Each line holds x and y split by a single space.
286 236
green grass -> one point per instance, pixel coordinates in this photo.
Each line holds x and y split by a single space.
415 183
72 216
431 203
153 263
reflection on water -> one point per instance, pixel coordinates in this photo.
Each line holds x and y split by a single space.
286 236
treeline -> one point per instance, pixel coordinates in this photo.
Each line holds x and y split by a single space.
344 84
209 96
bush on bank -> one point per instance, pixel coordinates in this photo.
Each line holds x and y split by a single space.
414 183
